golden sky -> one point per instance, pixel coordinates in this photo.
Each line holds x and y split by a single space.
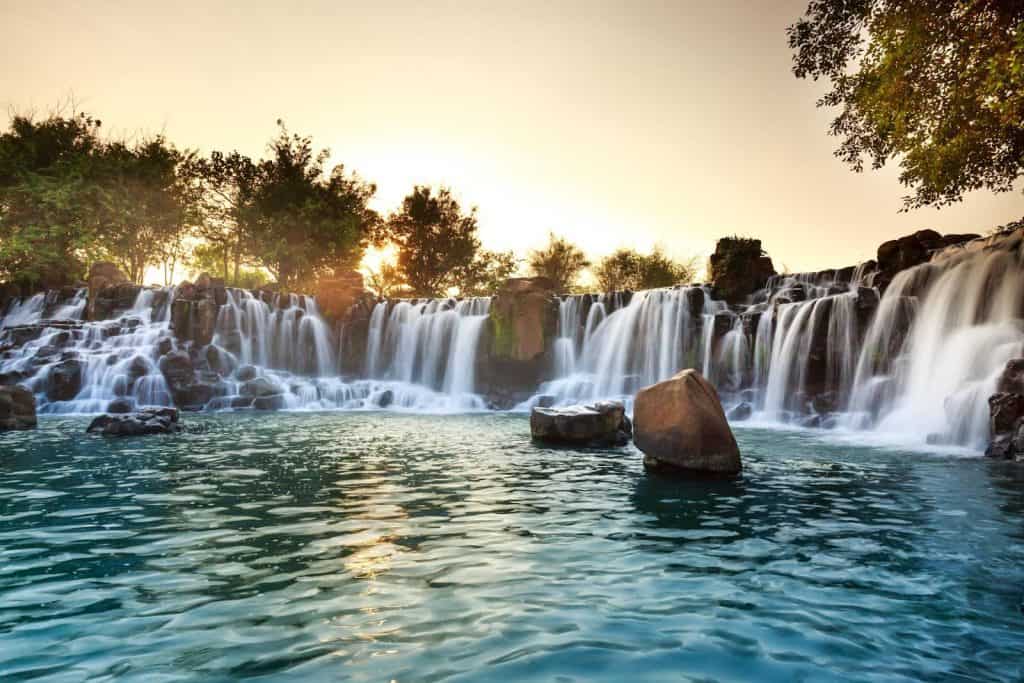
612 123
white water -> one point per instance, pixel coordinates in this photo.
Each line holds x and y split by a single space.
804 353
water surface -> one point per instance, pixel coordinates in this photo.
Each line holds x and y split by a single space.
370 547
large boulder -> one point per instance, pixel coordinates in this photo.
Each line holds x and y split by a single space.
64 380
599 424
912 250
679 424
738 268
142 422
188 391
259 386
17 408
194 320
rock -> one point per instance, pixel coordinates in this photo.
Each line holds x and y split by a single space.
102 275
1012 379
120 406
385 398
144 421
738 268
259 386
600 424
187 391
520 316
64 380
521 328
679 424
545 401
246 373
1006 423
741 411
272 402
17 408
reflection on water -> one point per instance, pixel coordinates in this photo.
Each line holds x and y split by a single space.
375 547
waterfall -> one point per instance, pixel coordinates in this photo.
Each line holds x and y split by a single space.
965 323
652 337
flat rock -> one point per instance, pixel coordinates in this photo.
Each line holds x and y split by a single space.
142 422
598 424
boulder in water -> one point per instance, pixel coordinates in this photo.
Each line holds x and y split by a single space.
246 373
599 424
17 408
679 424
272 402
142 422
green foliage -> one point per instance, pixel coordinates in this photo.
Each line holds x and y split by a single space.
305 223
47 232
208 257
486 273
561 261
437 243
627 269
937 84
386 281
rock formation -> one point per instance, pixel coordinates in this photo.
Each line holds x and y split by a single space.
17 408
679 424
738 268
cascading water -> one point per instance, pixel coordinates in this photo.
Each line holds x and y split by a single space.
965 316
602 354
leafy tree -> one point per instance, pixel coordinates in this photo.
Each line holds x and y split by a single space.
385 281
486 273
561 261
208 257
144 206
304 222
627 269
226 185
46 234
437 243
938 84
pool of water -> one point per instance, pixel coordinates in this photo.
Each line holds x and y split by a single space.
375 547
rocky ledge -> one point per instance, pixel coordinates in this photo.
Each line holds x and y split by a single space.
142 422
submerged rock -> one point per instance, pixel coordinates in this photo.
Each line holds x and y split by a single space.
17 408
741 411
680 425
599 424
142 422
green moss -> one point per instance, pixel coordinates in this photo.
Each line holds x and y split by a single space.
503 335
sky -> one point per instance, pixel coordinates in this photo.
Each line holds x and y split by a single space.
612 123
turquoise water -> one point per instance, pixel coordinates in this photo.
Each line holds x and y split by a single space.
372 547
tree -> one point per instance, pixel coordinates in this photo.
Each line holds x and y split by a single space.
386 281
937 84
227 188
46 233
627 269
486 273
437 243
145 207
560 261
304 222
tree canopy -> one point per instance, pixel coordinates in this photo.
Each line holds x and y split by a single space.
627 269
936 84
438 247
561 261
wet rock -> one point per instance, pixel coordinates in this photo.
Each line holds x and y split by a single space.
143 422
273 402
1012 378
1006 422
259 386
521 327
546 401
599 424
17 408
64 380
741 411
679 424
120 406
385 399
246 373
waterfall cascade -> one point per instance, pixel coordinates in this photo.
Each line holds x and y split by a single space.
815 349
